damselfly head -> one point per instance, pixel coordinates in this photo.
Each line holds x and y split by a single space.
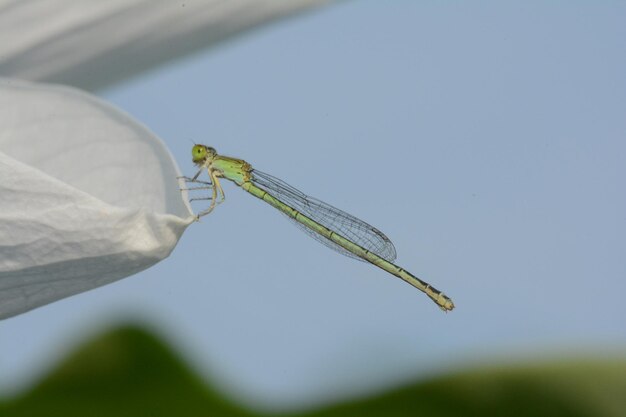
201 153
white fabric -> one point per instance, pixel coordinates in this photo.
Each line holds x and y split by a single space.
92 43
87 195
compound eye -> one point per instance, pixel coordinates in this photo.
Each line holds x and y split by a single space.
198 153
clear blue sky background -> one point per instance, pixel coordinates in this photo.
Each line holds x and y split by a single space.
486 139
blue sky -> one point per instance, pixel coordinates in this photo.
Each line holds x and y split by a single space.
485 139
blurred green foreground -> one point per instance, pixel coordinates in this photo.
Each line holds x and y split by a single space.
128 372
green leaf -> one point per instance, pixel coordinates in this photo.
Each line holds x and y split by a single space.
129 372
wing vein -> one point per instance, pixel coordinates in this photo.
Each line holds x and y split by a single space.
338 221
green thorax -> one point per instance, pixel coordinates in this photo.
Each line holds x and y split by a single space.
236 170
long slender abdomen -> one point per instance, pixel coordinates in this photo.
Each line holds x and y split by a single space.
443 301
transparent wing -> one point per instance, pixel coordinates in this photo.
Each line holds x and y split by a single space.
330 217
